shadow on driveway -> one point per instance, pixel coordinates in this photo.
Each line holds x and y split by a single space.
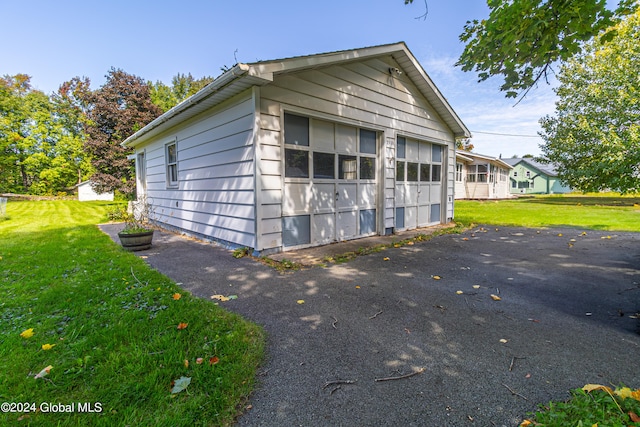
567 316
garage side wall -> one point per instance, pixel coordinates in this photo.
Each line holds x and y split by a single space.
214 196
363 94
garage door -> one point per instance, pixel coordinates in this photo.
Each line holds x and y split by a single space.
419 185
330 185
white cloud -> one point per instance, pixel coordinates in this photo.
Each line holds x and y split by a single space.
483 108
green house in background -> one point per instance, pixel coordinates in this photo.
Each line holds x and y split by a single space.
531 177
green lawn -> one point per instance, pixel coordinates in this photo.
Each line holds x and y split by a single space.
109 327
600 212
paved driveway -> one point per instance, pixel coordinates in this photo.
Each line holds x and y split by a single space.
565 318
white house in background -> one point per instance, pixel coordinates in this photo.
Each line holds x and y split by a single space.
304 151
481 177
87 193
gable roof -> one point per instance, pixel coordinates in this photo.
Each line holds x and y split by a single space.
547 169
467 156
243 76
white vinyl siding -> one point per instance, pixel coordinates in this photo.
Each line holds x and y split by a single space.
360 94
214 194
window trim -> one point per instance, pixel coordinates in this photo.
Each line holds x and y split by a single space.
171 165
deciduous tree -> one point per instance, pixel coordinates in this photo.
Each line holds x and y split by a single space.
118 109
594 135
182 87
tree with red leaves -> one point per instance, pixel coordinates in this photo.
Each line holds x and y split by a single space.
118 109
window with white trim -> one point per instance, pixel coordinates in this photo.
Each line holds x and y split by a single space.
171 156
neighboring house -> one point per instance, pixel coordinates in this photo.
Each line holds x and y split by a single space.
304 151
87 193
481 177
531 177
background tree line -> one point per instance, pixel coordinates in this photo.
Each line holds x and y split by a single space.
50 143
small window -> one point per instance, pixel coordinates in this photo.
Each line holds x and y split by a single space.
528 174
459 169
436 153
171 153
367 168
347 167
435 213
401 150
399 171
367 141
296 130
425 172
436 171
296 163
515 174
482 173
412 172
324 166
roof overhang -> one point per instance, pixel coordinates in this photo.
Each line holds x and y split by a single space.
243 76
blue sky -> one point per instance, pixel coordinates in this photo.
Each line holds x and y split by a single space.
53 41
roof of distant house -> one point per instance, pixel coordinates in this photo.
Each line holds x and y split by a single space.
547 169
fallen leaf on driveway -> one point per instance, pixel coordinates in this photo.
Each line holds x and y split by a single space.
436 277
503 341
300 301
476 286
220 297
459 292
385 258
495 297
591 387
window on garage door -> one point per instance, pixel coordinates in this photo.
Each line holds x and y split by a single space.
330 181
418 192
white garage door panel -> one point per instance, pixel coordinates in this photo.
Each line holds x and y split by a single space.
367 196
423 215
323 228
347 196
347 225
324 197
436 191
412 195
411 217
297 198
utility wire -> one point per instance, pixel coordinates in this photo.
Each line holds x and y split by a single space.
506 134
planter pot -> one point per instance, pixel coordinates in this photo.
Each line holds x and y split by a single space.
136 241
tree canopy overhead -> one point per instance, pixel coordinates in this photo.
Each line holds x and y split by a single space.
594 136
522 39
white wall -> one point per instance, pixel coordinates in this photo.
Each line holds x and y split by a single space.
215 196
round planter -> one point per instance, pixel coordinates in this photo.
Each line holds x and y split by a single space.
136 241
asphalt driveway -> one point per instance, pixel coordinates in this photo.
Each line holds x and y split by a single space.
566 316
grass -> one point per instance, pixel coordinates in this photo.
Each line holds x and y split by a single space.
112 323
600 212
599 407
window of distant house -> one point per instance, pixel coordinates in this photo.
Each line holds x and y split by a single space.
515 174
528 174
482 173
171 154
459 169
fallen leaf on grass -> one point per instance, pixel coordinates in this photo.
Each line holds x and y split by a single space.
44 372
591 387
634 417
213 360
176 296
180 384
28 333
48 346
182 325
199 361
186 363
495 297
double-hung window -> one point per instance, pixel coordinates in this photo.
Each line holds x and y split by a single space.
171 156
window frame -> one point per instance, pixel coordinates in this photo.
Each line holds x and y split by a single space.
171 167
